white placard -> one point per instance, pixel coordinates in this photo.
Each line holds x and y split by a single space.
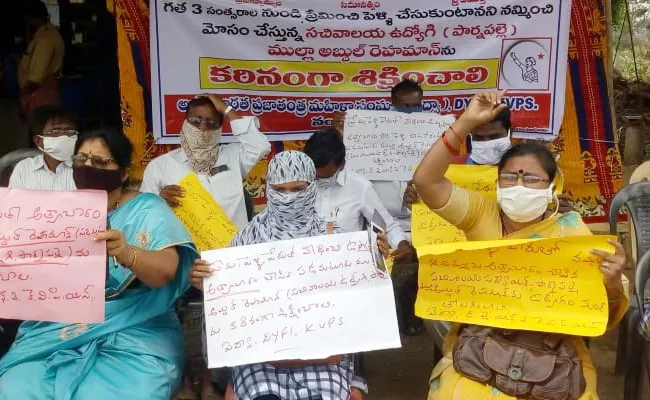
303 299
386 145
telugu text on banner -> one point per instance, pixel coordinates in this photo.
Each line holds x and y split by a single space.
547 285
304 299
51 267
297 62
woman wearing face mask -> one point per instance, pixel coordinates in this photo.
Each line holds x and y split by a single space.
220 168
54 132
290 214
138 352
524 192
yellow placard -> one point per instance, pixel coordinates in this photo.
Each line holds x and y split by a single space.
207 223
548 285
428 228
321 76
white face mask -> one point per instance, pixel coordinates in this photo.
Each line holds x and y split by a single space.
522 204
60 148
489 152
328 182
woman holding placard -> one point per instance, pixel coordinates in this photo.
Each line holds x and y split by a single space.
524 192
138 352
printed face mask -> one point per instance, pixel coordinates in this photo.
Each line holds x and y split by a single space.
60 148
201 147
489 152
522 204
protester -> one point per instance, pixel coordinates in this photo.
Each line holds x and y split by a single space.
40 67
348 198
290 214
219 168
489 142
524 191
53 131
138 352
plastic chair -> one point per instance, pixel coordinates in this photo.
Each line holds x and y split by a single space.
9 161
636 199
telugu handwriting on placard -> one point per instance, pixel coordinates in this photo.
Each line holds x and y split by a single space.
297 299
548 285
385 145
51 268
207 223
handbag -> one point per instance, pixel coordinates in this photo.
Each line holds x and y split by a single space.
523 364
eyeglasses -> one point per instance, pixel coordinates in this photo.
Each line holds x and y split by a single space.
60 132
97 162
210 123
507 179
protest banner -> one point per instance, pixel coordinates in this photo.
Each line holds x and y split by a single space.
205 220
51 268
385 145
297 62
307 298
547 285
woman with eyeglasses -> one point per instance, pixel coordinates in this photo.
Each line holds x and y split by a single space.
524 192
220 168
138 352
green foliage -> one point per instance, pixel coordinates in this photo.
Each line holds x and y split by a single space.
624 63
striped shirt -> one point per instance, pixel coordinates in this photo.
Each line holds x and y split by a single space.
234 162
33 173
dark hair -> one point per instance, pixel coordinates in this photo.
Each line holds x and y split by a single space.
504 118
40 116
543 155
37 9
118 144
325 147
407 85
202 101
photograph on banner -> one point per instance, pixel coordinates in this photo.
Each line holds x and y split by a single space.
299 299
51 267
297 63
547 285
207 223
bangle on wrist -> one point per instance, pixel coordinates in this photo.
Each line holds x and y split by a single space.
227 111
456 135
448 145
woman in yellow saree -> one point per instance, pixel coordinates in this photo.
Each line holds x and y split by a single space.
524 191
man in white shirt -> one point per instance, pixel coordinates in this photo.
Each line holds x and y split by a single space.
54 132
220 168
348 198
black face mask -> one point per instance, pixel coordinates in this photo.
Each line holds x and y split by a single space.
86 177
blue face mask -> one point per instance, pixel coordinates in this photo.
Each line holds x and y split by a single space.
408 109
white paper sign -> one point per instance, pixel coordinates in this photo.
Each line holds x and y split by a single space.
303 299
386 145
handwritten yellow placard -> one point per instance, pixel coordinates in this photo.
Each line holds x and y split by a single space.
428 228
548 285
208 225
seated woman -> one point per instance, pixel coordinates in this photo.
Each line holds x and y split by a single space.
524 192
138 352
290 214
